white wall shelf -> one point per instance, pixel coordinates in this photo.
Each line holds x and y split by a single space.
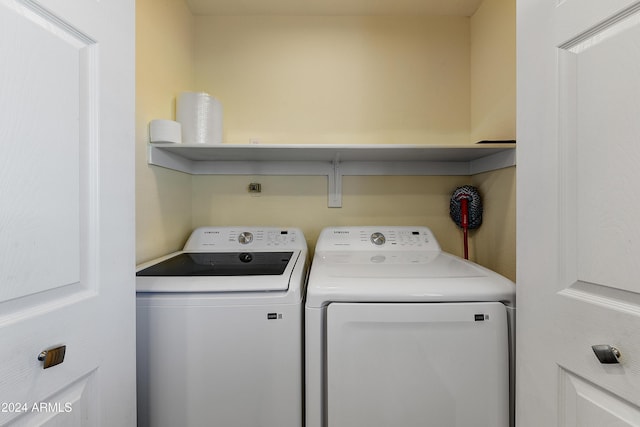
333 161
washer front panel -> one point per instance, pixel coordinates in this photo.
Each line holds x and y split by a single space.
417 364
218 365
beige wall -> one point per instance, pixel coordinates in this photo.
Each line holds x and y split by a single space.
493 117
164 67
494 243
349 80
325 80
302 202
337 79
493 71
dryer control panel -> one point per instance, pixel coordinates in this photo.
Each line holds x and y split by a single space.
245 238
377 238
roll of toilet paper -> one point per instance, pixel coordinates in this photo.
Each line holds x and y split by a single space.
165 131
200 115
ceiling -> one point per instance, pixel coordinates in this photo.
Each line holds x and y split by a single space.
334 7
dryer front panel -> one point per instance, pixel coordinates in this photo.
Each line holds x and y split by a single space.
406 364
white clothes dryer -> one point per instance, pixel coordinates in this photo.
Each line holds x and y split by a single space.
219 330
399 333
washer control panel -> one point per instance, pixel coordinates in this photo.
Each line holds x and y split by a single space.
377 238
245 239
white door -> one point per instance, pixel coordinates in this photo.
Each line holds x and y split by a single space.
66 212
578 246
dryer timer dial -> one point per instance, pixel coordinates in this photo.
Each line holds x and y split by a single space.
378 239
245 237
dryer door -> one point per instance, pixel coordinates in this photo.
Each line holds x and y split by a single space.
437 364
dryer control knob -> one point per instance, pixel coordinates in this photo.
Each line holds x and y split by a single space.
245 237
378 239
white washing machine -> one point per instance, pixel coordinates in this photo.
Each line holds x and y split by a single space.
219 330
399 333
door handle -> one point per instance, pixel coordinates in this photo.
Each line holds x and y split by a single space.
606 354
52 356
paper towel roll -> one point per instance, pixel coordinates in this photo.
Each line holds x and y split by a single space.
165 131
200 115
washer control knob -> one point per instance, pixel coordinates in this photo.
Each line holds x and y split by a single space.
378 239
245 237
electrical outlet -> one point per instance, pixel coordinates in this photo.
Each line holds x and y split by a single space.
255 188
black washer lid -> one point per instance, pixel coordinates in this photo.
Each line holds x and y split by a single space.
221 264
